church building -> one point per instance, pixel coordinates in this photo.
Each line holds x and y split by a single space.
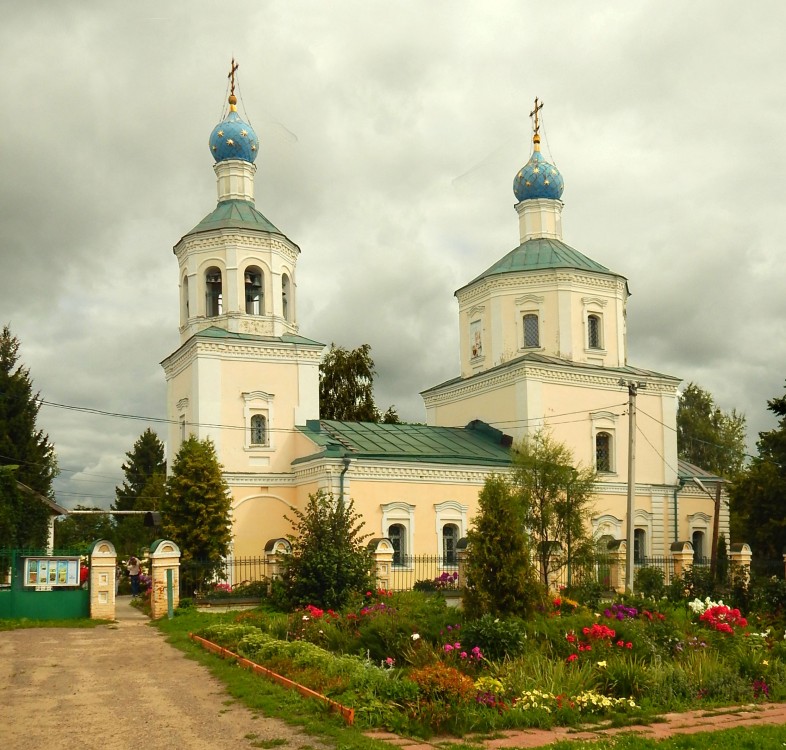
543 344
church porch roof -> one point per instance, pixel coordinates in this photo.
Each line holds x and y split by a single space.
475 444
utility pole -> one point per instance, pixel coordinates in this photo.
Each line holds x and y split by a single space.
633 388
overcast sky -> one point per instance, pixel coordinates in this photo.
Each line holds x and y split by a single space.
390 135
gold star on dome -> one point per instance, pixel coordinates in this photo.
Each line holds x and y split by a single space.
553 171
527 183
230 142
253 147
215 148
536 170
244 133
220 134
545 182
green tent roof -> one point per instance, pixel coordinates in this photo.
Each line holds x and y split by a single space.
234 214
541 253
219 333
477 443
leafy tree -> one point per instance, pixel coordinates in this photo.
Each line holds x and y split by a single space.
556 499
708 437
501 579
143 489
346 387
329 561
81 530
24 447
758 496
195 508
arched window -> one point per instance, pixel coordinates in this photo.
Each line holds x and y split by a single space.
255 291
258 430
186 311
594 338
639 546
285 292
398 538
531 332
698 547
450 534
214 292
603 451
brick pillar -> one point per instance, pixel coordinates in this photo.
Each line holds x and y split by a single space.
740 556
164 556
382 554
103 569
682 555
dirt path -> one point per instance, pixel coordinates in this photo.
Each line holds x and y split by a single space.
119 687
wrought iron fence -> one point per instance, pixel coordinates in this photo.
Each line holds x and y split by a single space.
198 577
432 570
664 563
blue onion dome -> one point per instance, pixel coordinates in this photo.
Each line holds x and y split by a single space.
537 178
232 138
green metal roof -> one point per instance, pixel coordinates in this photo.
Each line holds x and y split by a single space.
234 214
541 253
536 358
220 333
687 471
477 443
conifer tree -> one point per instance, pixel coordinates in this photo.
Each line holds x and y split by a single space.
195 509
25 452
142 489
501 579
329 561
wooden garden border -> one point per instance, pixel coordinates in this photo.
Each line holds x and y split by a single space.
348 714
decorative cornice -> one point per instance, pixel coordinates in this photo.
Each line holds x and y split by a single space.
508 282
549 373
240 238
228 349
586 301
476 309
524 298
248 479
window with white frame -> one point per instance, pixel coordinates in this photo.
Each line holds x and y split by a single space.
258 419
450 537
214 292
594 331
398 525
698 547
603 452
531 327
258 430
639 545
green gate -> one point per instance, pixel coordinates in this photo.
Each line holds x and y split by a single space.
40 586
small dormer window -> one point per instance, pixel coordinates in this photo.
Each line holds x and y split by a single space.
214 293
531 331
594 337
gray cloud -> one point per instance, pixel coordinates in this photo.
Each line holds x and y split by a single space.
390 136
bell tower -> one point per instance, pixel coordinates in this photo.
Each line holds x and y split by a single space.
242 374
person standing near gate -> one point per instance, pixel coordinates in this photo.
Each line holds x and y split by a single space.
133 573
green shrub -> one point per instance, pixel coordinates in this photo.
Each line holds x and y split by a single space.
497 637
650 582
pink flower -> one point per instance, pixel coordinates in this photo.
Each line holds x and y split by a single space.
463 654
571 658
457 645
447 647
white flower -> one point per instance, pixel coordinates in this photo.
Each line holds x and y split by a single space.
305 617
415 636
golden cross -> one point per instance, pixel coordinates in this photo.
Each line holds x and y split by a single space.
232 68
534 114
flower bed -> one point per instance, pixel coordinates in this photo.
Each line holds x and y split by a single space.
408 663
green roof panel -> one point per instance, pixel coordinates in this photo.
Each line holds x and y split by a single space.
541 253
477 443
234 214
